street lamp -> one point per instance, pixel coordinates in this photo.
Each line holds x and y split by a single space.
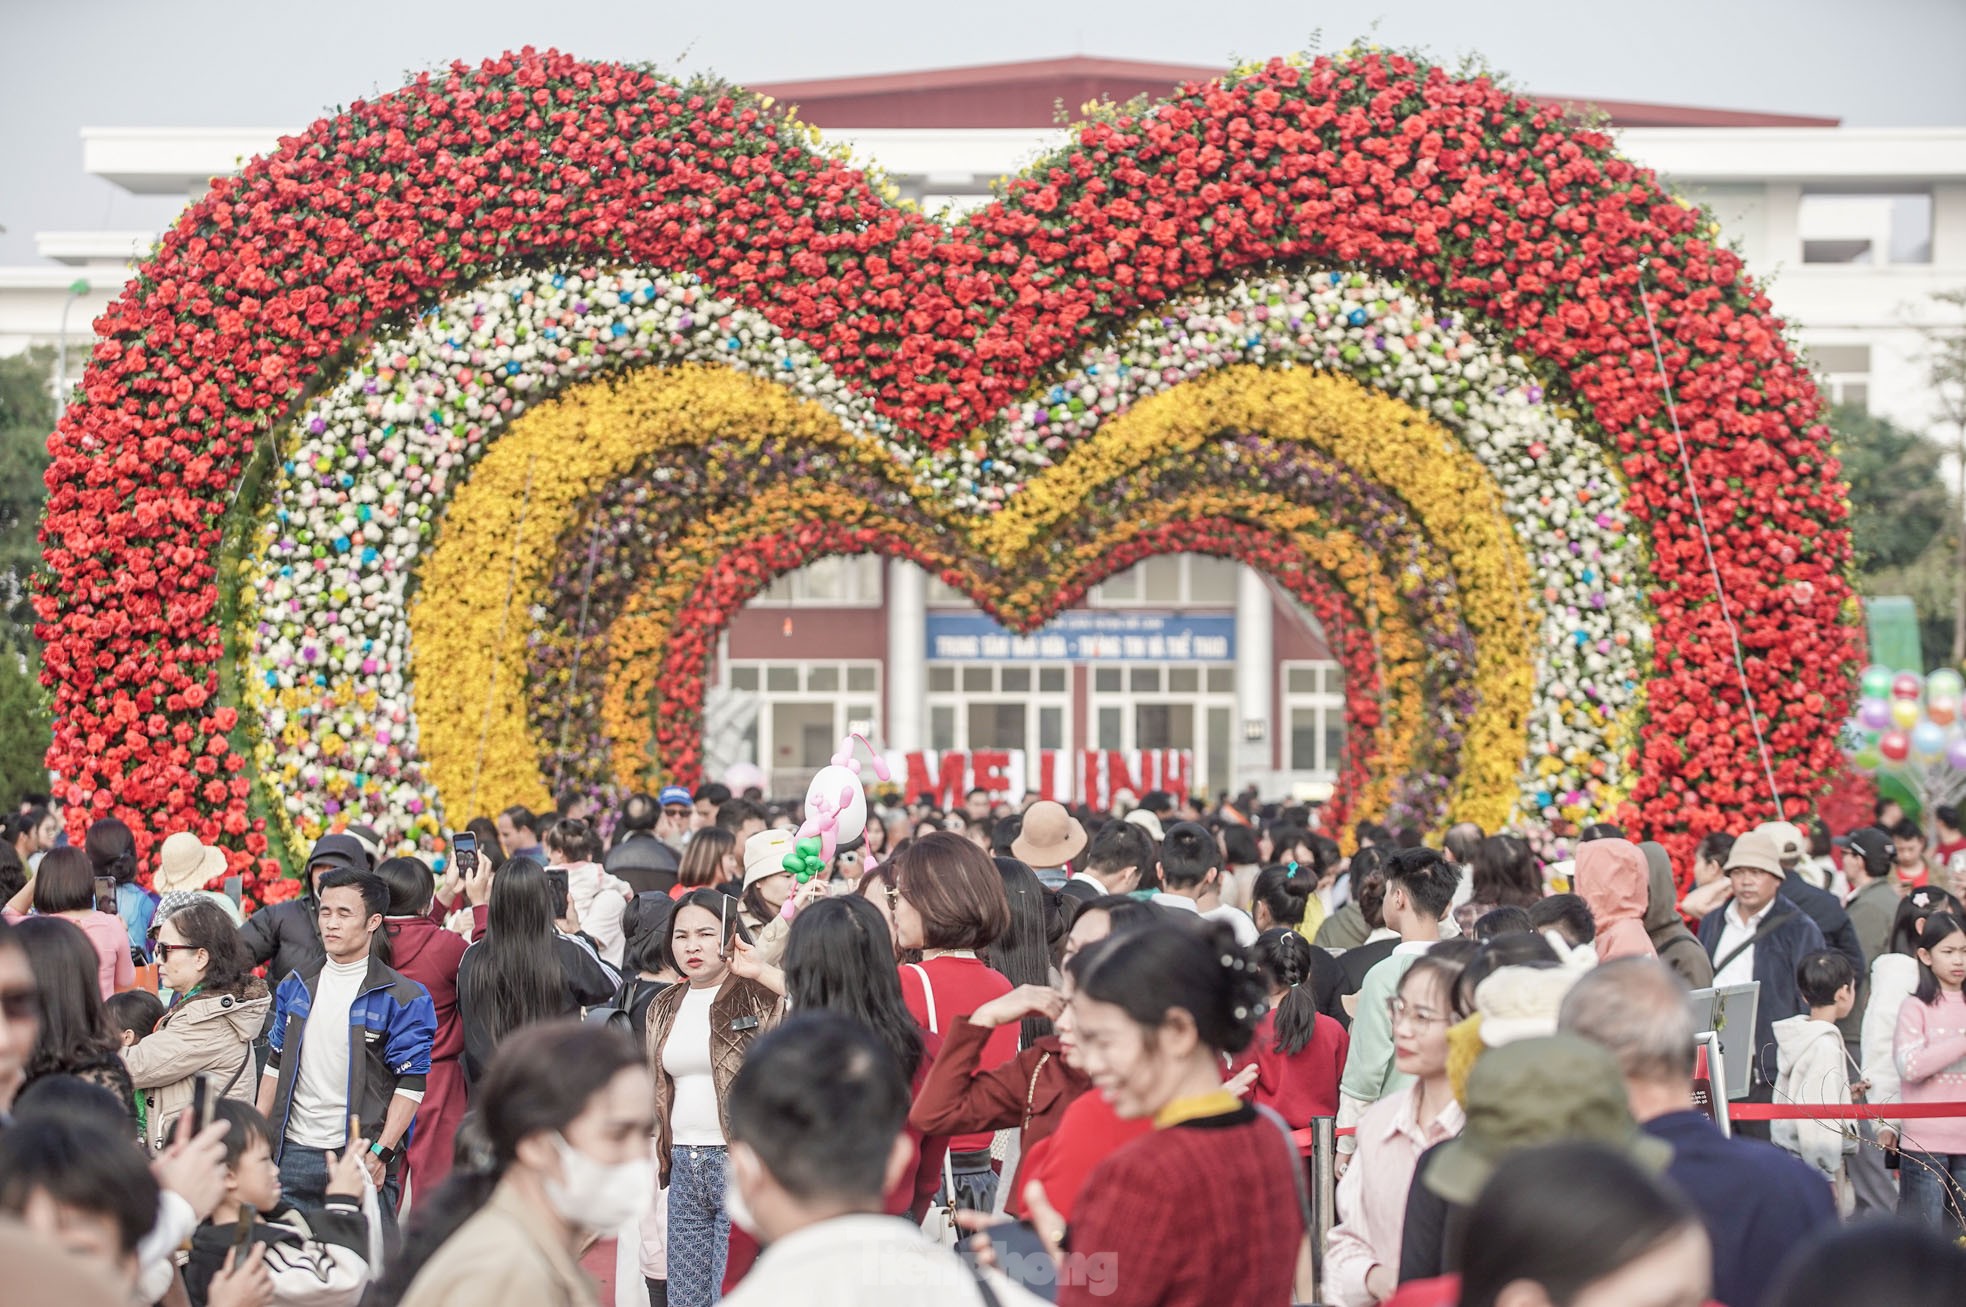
76 290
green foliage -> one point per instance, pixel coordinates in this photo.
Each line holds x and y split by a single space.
1901 519
24 725
27 415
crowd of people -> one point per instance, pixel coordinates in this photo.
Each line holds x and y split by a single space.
985 1055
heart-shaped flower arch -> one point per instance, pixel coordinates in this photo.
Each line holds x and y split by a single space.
1495 209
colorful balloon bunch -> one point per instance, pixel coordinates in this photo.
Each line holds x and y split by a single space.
1903 717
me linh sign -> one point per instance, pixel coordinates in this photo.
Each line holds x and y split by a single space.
1085 637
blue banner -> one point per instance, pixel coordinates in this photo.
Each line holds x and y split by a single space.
1085 637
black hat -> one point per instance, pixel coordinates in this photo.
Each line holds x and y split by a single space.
1874 845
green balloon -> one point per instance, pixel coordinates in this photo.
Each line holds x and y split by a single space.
1877 682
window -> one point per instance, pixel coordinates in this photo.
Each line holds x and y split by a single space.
1872 229
802 714
1844 371
1170 580
996 708
1314 712
841 581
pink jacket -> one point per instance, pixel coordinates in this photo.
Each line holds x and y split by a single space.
1613 879
1372 1193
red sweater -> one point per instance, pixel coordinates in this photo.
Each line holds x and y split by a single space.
1300 1085
961 986
1196 1215
1087 1134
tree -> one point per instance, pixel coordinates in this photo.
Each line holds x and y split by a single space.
1945 372
24 726
27 415
1903 518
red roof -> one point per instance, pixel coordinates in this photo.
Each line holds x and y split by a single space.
1028 95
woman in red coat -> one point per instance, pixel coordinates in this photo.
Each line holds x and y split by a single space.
428 954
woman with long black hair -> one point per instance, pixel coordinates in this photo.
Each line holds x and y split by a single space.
75 1036
697 1034
523 970
564 1157
1022 953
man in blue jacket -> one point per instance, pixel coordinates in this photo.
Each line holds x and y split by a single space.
1759 1204
350 1041
1760 935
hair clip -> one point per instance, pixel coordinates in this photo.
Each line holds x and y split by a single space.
1292 873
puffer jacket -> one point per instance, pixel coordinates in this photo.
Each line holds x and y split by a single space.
1893 977
1612 878
1677 947
210 1034
741 1011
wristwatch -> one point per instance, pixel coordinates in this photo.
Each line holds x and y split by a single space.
388 1155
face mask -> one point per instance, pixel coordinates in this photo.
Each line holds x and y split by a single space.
735 1207
596 1197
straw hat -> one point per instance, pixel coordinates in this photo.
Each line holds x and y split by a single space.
187 863
1051 836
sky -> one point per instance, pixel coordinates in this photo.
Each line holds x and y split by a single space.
66 64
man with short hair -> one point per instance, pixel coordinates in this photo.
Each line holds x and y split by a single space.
1419 887
1118 859
286 937
574 804
518 834
1760 936
742 818
1791 847
1867 855
349 1043
707 800
976 804
1190 867
1758 1203
638 856
816 1117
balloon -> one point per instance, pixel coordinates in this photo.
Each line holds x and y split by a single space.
1874 714
1956 754
1866 759
1895 746
1876 681
1945 684
742 776
1943 711
1928 739
1908 685
1904 713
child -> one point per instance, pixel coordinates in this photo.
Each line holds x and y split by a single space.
1931 1057
1811 1069
1298 1051
134 1013
320 1260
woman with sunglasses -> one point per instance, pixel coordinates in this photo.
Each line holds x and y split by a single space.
210 1026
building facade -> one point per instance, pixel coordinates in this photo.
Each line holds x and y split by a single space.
1184 668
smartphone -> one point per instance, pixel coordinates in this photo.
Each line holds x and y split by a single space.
106 894
556 880
242 1233
1019 1254
464 852
201 1103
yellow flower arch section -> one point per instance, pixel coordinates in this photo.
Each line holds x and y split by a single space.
478 583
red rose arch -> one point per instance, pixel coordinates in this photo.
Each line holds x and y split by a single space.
1494 206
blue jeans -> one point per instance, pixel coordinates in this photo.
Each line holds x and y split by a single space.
1932 1190
304 1183
699 1227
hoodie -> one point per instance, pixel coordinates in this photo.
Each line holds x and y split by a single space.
1677 947
429 954
315 1259
1611 877
1809 1069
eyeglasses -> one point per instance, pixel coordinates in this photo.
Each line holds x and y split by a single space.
164 951
19 1004
1398 1009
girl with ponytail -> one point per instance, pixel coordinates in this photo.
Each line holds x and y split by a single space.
1298 1051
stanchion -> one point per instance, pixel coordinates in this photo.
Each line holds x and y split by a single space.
1324 1194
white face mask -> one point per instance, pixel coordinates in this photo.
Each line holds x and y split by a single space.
596 1197
736 1208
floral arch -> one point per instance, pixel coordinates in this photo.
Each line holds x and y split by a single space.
420 465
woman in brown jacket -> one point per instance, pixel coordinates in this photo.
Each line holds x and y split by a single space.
209 1029
698 1033
1030 1091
